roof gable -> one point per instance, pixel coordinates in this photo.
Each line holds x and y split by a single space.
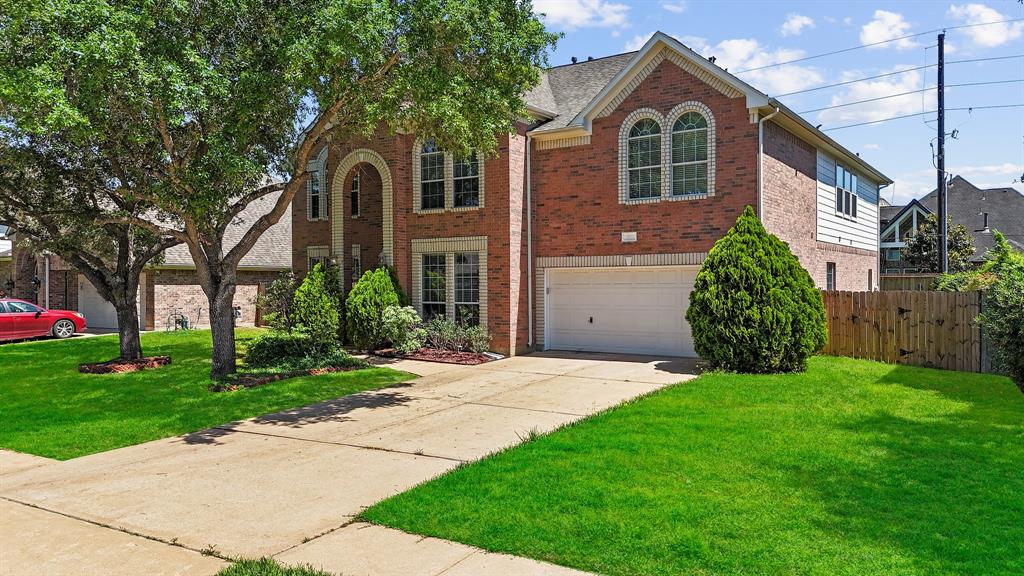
911 206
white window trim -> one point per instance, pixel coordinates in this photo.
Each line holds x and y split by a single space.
670 121
449 182
847 194
322 254
448 247
666 123
318 170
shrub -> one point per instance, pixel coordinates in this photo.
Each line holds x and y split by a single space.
443 333
401 327
1002 317
316 311
403 298
277 302
753 307
282 351
334 285
365 306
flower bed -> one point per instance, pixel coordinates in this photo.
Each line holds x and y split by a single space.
124 366
443 356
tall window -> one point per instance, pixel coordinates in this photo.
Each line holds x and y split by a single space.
690 155
431 177
434 286
644 158
467 288
846 192
357 262
354 195
313 199
830 276
467 181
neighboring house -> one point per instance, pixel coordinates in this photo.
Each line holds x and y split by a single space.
168 287
587 229
980 210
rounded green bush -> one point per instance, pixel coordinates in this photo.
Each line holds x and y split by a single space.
753 307
315 309
365 306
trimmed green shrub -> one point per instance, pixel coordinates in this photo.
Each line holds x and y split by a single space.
276 304
1002 316
315 309
283 351
401 326
365 306
403 298
444 333
335 287
753 307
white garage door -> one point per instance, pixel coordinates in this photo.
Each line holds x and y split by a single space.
99 314
631 310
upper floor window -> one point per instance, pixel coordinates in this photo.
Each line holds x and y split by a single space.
690 155
644 156
846 192
354 195
317 198
467 181
431 176
445 181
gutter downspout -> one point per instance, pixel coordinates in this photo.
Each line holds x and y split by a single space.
46 279
760 162
529 246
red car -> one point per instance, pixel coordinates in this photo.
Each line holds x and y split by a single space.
20 319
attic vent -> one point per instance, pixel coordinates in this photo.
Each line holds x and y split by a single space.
573 59
711 59
589 58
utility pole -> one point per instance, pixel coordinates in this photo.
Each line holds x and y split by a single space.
940 164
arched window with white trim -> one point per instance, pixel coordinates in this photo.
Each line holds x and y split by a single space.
643 156
690 155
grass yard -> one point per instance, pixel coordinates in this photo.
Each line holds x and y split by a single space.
854 467
47 408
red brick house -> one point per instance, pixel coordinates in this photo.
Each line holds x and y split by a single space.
586 230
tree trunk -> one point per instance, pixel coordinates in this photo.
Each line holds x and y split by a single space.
222 326
128 327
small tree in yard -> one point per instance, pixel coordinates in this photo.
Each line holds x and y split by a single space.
753 307
922 250
316 311
201 100
278 303
371 295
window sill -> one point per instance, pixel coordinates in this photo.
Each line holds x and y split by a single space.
666 198
845 216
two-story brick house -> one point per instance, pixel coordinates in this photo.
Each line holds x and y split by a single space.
587 229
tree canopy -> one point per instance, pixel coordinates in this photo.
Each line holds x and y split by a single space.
922 250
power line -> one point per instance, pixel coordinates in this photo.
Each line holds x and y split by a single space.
852 48
995 106
910 92
904 71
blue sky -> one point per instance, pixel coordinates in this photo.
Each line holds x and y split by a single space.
989 148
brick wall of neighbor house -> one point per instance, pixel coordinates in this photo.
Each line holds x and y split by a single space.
493 220
576 190
790 212
170 290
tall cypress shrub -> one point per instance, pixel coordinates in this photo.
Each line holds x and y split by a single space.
753 307
365 308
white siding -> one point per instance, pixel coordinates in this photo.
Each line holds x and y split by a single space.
836 229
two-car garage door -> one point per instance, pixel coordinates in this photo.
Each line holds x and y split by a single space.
629 310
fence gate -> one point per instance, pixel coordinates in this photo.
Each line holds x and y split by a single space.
923 328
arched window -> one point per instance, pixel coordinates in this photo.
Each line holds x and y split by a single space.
431 176
644 159
690 154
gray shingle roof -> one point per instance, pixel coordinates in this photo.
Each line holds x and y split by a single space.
886 213
966 203
567 89
273 249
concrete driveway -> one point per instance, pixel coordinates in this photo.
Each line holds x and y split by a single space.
289 484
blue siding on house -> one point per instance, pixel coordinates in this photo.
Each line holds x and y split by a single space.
867 190
826 170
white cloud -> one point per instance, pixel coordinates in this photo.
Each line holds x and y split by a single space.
795 24
637 42
987 36
573 14
674 7
886 26
991 175
848 20
746 53
879 109
872 147
920 182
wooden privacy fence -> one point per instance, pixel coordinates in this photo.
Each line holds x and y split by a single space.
906 281
924 328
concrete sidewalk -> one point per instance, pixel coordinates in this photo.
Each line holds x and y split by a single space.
289 484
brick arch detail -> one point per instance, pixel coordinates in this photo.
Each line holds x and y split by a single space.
360 156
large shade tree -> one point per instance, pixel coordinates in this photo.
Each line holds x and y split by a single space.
207 98
56 195
923 249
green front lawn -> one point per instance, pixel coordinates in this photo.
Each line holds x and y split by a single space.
854 467
47 408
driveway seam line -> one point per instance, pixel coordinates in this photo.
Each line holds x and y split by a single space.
346 444
526 409
121 529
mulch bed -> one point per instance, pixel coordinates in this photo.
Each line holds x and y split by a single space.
442 356
253 380
124 366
